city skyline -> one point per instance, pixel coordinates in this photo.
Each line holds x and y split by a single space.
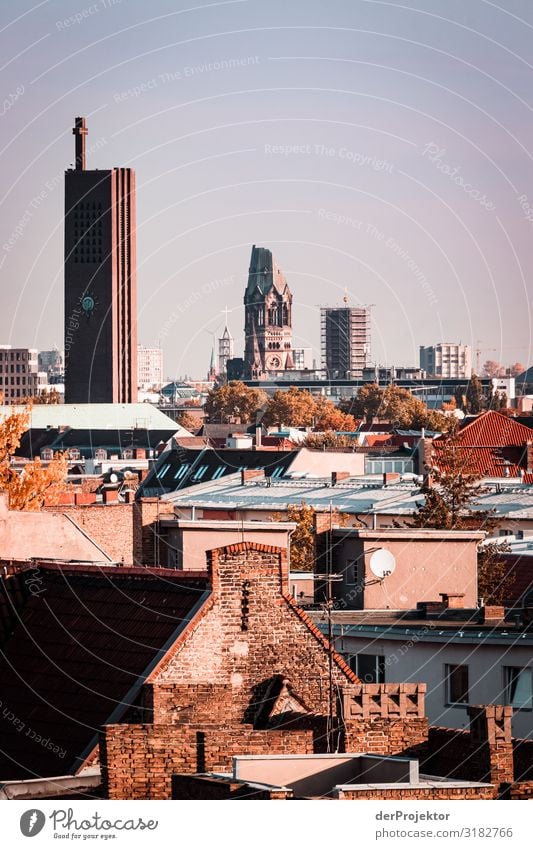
360 153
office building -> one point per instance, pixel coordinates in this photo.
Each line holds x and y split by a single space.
149 368
20 377
447 359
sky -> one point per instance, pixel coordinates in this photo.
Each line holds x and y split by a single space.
382 149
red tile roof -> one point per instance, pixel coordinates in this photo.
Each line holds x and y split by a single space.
494 430
78 645
493 445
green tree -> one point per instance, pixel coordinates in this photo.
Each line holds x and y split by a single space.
460 398
454 488
474 395
234 402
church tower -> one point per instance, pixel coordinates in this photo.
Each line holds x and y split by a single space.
268 317
100 282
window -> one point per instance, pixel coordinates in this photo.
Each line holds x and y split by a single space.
350 572
518 683
369 668
456 684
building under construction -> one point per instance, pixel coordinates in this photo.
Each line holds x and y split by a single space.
345 341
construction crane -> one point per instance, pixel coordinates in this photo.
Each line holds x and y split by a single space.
479 351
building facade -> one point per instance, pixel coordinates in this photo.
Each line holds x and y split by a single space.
100 282
345 341
19 374
149 368
268 317
53 363
447 359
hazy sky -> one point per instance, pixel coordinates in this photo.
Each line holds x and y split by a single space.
385 147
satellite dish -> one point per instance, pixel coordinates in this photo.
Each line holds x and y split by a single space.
382 563
113 478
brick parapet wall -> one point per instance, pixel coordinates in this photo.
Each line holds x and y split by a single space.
420 793
109 525
384 718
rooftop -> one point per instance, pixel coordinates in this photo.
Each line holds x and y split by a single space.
97 417
356 495
327 776
75 654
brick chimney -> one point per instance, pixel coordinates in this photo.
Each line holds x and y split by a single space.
492 614
490 730
452 601
337 477
251 474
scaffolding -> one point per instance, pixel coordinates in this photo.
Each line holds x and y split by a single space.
345 340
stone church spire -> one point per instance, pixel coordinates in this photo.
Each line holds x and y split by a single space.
268 317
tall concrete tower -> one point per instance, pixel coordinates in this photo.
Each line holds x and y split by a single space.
100 282
268 317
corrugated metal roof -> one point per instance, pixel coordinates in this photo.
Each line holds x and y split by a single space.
98 417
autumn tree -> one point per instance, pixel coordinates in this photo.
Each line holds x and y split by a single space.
366 404
329 439
329 417
491 368
294 407
516 369
187 421
234 402
46 396
37 482
302 541
494 578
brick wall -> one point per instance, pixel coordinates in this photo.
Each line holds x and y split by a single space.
146 541
109 525
249 652
522 790
138 760
423 794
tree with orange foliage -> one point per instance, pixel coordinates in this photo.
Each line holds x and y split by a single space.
27 490
329 417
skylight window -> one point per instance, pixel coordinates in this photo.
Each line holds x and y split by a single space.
181 472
